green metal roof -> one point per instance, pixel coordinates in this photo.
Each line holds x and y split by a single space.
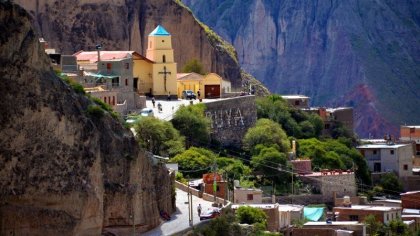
159 31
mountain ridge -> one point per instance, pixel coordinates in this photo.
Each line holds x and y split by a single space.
328 50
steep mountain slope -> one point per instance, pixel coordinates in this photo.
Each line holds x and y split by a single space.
64 171
360 53
125 24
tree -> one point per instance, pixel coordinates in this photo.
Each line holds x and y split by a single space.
268 133
295 122
233 168
374 227
269 161
251 215
194 162
391 184
397 227
193 66
193 124
159 137
333 154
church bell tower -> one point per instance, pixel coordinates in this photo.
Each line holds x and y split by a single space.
159 50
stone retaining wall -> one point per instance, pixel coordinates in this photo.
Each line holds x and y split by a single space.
231 118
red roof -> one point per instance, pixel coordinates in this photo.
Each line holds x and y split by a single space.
92 56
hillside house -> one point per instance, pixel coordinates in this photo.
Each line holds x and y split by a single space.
411 134
359 212
332 116
411 200
330 183
247 195
334 228
297 101
397 158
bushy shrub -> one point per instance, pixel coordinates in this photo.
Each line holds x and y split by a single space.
95 111
251 215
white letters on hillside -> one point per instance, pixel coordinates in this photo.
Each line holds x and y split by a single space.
225 118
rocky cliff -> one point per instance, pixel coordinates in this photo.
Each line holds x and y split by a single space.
341 53
125 24
62 170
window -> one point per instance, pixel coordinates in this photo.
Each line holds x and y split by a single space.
327 126
108 66
375 152
354 217
391 151
115 81
377 167
126 82
164 58
406 167
127 66
104 99
250 197
297 102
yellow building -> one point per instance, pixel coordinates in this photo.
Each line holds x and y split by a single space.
159 50
210 85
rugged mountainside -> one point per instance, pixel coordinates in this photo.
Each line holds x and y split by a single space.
63 171
125 24
360 53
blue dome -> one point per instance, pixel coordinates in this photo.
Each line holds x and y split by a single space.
159 31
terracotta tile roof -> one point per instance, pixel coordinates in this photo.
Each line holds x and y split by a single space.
189 76
92 56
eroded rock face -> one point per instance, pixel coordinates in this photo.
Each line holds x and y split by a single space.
63 172
328 50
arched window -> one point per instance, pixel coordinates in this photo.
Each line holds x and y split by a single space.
164 58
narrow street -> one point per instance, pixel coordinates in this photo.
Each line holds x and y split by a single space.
179 219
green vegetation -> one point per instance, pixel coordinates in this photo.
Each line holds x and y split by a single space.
78 88
333 154
268 162
193 124
228 225
95 111
195 161
193 66
266 133
393 228
180 178
159 137
296 123
92 110
391 184
251 215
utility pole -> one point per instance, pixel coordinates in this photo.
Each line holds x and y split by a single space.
192 210
227 191
214 180
190 215
293 187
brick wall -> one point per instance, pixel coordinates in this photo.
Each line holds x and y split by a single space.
411 200
231 118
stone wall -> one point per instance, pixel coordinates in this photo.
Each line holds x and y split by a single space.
231 118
